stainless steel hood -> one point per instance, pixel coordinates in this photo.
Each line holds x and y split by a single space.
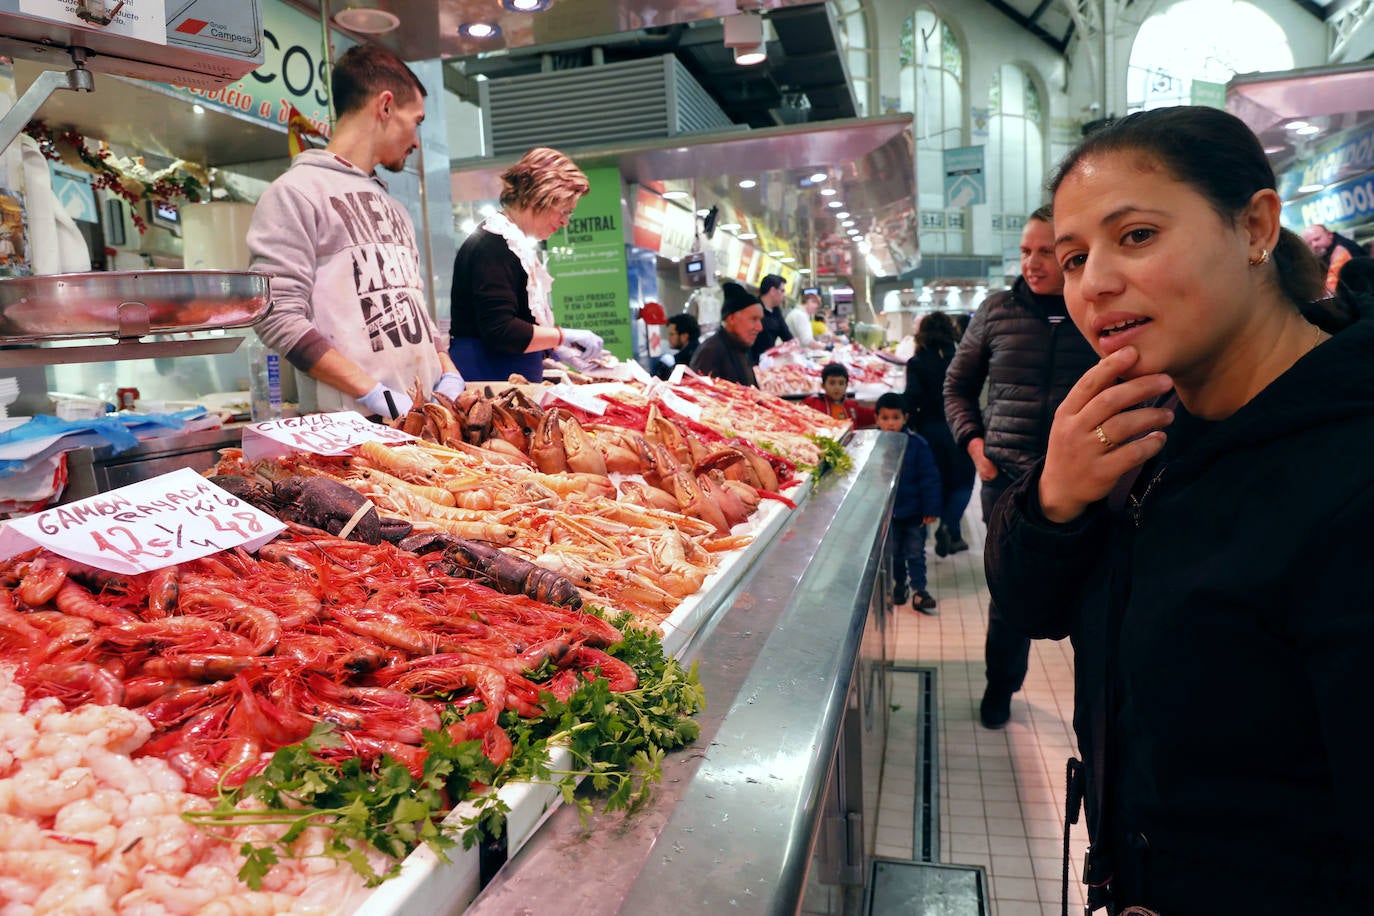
198 43
203 43
868 161
429 28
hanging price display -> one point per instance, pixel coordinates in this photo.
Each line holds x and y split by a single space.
319 434
145 526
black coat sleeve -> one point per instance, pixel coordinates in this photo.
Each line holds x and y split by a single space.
913 393
1333 626
964 381
1036 569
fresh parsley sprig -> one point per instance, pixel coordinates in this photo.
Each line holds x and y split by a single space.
834 456
617 739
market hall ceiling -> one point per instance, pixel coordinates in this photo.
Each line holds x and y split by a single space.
805 77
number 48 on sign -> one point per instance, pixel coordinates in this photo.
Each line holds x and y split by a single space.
145 526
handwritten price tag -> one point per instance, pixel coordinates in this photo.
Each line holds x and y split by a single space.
319 434
678 405
571 394
145 526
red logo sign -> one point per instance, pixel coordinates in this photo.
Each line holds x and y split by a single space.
192 26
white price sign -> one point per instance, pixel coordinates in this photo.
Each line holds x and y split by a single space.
170 519
319 434
145 20
679 405
572 394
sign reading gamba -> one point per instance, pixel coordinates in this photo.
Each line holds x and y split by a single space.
145 526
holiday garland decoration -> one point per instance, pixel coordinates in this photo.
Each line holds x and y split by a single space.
130 179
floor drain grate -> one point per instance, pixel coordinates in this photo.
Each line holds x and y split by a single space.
926 824
926 888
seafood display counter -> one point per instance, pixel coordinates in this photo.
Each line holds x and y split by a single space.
767 808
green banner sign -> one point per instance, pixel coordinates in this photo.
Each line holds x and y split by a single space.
587 261
1213 95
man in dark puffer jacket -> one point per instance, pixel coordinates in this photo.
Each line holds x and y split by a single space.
1023 345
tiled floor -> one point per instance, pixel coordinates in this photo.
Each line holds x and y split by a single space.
1001 793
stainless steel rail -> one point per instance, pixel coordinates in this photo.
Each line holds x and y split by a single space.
733 824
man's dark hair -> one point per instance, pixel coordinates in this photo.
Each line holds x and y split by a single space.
686 324
771 282
1043 214
890 400
365 70
833 369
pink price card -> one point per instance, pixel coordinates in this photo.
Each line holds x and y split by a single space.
145 526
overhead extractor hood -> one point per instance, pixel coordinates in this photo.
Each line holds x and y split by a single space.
197 43
201 43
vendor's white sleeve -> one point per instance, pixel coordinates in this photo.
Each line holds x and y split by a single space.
799 323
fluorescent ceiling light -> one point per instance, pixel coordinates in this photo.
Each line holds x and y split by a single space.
1308 131
675 195
704 211
847 223
834 203
776 254
803 270
1295 125
526 6
819 177
843 214
747 236
1310 188
728 227
788 260
747 183
829 192
198 109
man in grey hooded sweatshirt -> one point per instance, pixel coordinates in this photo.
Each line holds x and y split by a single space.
347 289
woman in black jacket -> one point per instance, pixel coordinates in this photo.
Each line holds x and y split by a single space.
503 322
1206 555
936 338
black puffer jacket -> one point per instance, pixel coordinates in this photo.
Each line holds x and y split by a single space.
1222 620
1030 354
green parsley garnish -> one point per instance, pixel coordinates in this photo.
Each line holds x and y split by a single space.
616 739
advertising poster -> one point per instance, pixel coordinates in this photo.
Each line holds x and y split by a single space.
587 262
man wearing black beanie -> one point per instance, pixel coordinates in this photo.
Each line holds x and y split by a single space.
725 354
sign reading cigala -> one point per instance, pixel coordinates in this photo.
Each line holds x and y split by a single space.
587 262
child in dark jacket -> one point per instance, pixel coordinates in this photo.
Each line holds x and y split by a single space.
916 505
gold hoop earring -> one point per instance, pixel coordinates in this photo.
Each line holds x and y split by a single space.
1262 259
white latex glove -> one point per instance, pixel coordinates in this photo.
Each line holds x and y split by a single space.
450 385
375 402
571 356
586 341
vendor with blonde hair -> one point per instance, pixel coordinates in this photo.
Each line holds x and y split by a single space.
502 314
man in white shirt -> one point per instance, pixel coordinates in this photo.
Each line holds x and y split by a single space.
799 321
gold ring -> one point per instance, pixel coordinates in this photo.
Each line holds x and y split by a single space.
1104 438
